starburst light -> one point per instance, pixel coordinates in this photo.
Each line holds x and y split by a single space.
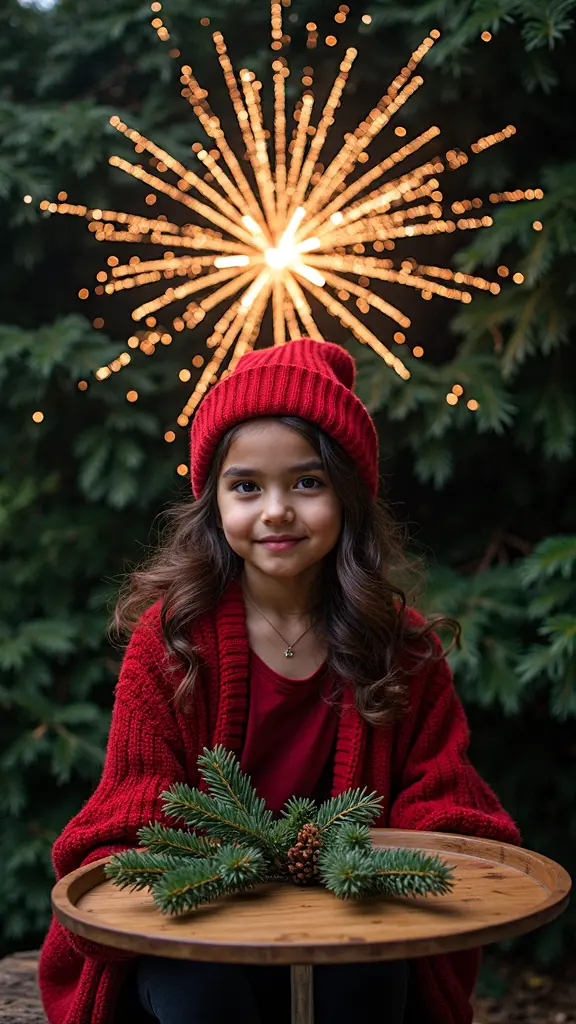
298 236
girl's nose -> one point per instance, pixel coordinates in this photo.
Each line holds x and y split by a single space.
277 508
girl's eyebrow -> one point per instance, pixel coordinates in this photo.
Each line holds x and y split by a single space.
313 465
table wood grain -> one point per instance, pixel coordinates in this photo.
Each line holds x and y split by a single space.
500 891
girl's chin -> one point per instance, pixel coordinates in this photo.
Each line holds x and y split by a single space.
280 564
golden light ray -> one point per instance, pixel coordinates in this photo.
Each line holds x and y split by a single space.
369 297
278 322
187 178
253 304
293 238
299 143
371 267
260 161
319 137
302 307
376 172
211 125
358 329
294 330
280 139
345 161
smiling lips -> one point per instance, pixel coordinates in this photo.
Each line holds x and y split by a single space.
274 538
280 542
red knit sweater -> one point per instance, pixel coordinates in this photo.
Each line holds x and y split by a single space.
420 767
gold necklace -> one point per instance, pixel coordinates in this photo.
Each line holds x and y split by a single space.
289 652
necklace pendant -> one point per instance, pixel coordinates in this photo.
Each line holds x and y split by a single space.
288 653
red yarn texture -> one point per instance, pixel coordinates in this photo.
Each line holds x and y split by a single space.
311 379
420 767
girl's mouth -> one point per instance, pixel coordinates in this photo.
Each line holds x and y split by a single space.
280 545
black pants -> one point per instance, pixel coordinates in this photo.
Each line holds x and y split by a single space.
190 992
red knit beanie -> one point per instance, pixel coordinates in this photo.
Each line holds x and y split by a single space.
306 378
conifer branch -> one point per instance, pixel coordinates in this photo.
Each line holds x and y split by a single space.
355 805
203 880
199 810
160 839
244 845
227 782
349 836
139 869
297 811
351 872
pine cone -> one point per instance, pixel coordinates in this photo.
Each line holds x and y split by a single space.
303 857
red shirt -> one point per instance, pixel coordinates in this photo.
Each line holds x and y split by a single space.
290 734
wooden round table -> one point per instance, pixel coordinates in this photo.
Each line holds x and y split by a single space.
500 891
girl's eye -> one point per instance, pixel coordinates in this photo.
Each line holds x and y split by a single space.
309 483
244 483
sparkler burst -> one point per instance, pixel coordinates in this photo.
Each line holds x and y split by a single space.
290 234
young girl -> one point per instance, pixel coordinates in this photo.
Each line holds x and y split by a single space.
268 622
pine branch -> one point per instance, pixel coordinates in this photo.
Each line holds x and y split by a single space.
244 845
139 869
204 880
355 805
159 839
300 810
352 872
227 783
199 810
411 873
349 836
297 811
186 887
346 873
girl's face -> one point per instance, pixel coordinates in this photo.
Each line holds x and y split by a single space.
277 508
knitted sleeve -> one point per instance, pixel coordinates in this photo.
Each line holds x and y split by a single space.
437 789
144 756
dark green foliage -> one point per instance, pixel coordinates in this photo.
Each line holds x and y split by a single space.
196 809
355 805
491 493
247 852
159 839
356 873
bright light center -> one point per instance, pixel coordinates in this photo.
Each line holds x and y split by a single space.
284 256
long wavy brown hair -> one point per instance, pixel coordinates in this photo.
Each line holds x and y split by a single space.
358 607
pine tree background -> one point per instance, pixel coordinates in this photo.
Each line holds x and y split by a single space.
487 496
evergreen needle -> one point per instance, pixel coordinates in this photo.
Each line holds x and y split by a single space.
241 844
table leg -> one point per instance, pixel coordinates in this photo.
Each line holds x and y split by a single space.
302 992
